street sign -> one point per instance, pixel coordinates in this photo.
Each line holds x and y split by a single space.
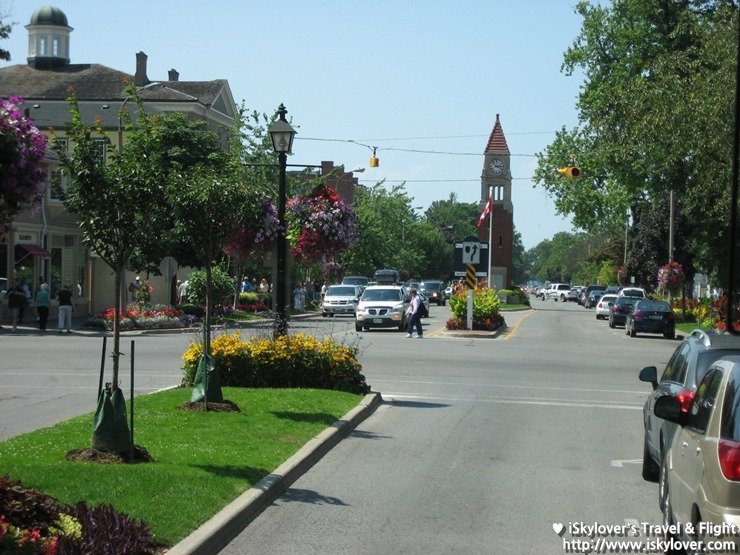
470 276
470 251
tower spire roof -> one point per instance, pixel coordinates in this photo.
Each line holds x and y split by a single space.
497 141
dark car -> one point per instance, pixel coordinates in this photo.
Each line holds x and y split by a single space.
593 294
650 316
685 369
434 291
621 308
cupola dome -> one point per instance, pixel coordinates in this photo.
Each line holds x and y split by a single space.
48 38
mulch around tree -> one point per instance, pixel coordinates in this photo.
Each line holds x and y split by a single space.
140 455
200 406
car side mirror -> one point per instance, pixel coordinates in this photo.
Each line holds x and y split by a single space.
668 408
649 374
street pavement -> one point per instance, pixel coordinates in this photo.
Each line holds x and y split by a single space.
36 393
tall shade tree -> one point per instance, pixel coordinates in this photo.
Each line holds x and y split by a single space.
5 29
655 115
111 200
384 218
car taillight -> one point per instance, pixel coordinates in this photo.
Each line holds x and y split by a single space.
637 314
685 396
729 458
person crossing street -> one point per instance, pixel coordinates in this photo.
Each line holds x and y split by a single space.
414 316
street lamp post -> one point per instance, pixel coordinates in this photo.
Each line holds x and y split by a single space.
282 135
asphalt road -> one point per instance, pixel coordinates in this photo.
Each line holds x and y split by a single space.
481 445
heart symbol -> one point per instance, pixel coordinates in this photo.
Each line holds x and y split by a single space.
559 528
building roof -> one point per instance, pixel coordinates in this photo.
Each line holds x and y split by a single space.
99 82
49 15
497 141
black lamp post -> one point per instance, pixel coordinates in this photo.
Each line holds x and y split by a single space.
282 135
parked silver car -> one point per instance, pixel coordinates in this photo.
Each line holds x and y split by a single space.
700 474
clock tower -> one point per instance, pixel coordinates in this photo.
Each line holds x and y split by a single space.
496 182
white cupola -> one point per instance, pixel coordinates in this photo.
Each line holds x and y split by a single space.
48 38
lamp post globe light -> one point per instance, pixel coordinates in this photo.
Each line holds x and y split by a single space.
282 135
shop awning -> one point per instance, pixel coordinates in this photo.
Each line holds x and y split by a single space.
35 250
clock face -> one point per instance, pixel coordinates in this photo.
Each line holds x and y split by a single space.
497 166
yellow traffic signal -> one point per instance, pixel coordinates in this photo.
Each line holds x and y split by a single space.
570 171
374 162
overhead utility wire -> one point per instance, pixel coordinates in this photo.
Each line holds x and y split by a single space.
416 150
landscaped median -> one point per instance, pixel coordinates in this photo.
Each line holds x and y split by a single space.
202 461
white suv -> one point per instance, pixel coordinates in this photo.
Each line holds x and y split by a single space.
382 306
558 291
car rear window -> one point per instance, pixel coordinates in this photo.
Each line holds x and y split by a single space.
661 306
730 426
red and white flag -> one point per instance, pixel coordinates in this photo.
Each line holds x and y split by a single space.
486 211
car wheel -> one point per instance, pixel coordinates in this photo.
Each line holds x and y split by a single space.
562 298
402 325
670 334
323 314
662 484
358 327
650 469
633 331
611 323
668 522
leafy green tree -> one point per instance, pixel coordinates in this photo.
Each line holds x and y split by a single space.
112 202
655 115
458 218
5 29
386 234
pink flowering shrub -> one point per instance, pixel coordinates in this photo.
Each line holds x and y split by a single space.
321 225
22 149
670 278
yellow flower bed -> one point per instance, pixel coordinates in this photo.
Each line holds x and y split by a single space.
288 361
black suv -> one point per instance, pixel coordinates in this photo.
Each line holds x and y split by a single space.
434 291
686 368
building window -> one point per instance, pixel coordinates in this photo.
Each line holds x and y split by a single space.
101 144
58 183
42 46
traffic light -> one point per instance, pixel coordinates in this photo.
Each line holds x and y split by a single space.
374 162
570 171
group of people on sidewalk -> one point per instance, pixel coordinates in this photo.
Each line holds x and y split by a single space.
19 297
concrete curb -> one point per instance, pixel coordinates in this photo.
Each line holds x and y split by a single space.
225 525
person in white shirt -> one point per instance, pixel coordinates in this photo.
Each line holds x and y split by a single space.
414 315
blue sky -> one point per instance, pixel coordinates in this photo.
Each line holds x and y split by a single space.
401 75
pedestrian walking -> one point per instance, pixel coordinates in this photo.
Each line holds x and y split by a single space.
299 297
65 308
42 305
134 287
16 298
413 312
182 293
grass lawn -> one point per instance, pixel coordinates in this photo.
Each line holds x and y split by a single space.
687 327
202 460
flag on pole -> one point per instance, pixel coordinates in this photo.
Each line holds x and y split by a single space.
486 211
